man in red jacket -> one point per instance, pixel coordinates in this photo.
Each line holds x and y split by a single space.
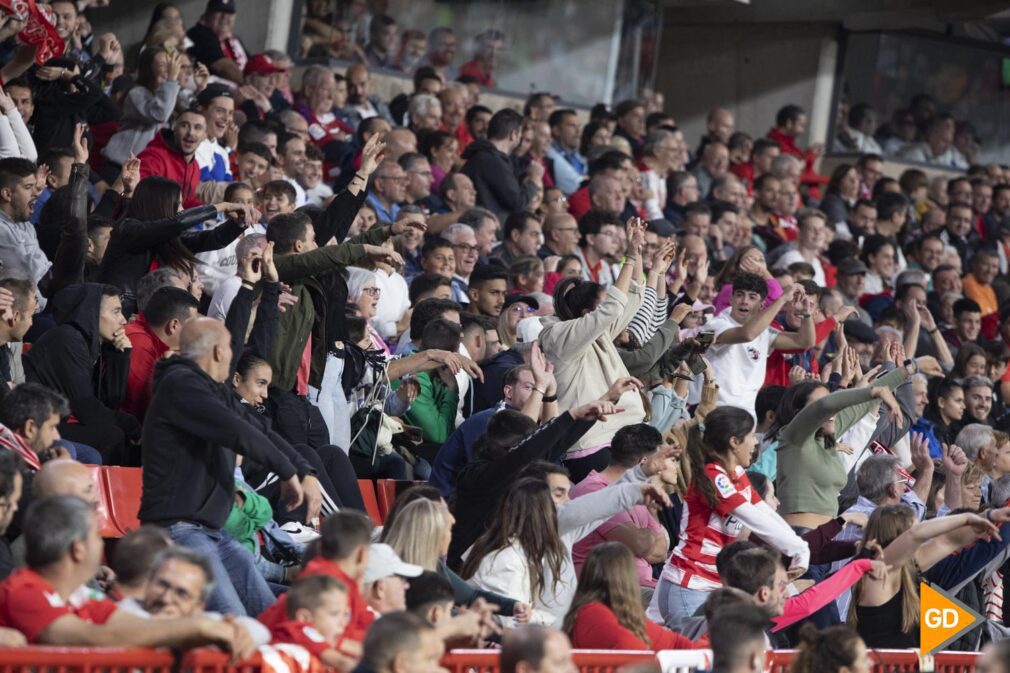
171 154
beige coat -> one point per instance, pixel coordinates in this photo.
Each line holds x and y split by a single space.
586 362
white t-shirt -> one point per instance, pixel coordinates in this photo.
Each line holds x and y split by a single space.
223 297
739 368
794 256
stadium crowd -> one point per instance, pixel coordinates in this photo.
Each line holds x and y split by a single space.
652 394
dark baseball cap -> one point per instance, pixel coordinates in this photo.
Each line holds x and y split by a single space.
213 90
527 299
226 6
857 330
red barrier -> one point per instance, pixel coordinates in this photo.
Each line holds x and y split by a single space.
204 660
85 660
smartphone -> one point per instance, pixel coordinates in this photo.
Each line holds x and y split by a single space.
706 339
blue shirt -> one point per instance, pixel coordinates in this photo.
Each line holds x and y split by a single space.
383 215
457 451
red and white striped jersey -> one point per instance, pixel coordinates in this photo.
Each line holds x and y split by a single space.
705 530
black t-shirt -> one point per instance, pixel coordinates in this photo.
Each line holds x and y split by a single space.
206 45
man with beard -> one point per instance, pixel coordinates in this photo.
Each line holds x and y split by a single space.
172 154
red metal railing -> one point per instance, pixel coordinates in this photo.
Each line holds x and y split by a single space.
125 660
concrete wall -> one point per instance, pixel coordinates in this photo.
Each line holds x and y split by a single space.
752 69
129 19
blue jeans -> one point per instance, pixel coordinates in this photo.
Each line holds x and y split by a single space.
239 588
678 604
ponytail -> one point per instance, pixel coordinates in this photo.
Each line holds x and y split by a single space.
709 442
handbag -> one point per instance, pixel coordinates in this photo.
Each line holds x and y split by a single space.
372 428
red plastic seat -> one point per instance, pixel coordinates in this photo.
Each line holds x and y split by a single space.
388 490
125 486
106 525
367 488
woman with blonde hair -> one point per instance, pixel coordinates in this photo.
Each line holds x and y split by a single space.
420 534
606 612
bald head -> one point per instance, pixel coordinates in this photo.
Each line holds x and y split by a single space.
208 343
64 477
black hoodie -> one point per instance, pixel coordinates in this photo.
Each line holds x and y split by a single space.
71 358
192 431
495 180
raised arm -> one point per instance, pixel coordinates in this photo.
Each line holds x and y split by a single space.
753 328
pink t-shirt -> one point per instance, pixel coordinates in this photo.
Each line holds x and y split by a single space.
638 516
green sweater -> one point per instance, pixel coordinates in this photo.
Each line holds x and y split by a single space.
434 410
243 522
810 477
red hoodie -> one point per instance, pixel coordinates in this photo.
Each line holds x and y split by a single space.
162 157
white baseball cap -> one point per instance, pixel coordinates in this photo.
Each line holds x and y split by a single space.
528 330
383 562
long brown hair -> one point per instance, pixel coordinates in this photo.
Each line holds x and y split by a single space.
732 266
609 576
526 514
708 442
885 525
157 198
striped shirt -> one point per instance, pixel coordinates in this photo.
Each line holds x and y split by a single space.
705 530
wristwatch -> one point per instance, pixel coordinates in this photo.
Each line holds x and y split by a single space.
914 364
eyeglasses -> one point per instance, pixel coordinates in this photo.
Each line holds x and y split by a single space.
426 174
466 249
394 178
371 291
522 308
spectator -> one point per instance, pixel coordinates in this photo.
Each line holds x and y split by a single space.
419 178
213 155
382 42
631 124
148 105
442 52
636 529
316 607
522 236
487 165
487 46
85 357
133 560
11 484
154 232
978 285
214 43
568 164
153 335
606 611
63 551
536 649
172 154
938 145
713 164
401 643
719 487
363 103
388 190
190 409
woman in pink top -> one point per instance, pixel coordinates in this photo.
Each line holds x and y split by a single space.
748 258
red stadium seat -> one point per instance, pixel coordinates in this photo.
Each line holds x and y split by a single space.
106 525
367 488
388 489
124 485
